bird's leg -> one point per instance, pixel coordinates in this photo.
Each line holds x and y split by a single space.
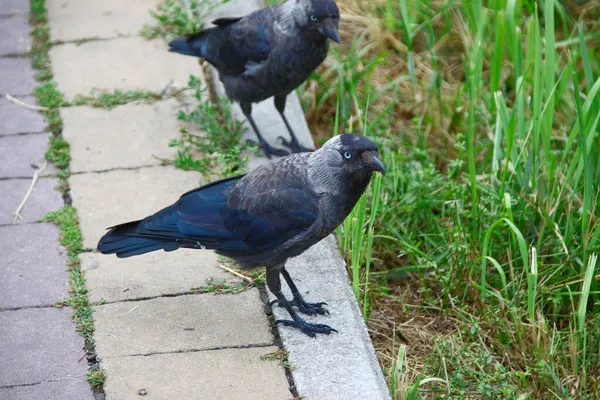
298 301
274 284
293 143
266 147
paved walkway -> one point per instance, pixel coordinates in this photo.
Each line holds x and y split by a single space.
154 333
41 355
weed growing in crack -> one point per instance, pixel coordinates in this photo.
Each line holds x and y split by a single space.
221 286
178 18
221 141
282 356
96 377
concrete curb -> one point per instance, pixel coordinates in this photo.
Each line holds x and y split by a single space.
338 366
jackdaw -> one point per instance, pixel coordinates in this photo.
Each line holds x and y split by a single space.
269 52
264 217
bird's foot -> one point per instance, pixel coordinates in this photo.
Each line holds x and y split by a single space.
293 145
306 327
305 307
309 308
269 150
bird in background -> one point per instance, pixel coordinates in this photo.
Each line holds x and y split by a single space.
267 53
264 217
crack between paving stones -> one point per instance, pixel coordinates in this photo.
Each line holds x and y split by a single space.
94 39
216 348
6 135
23 222
37 383
21 178
7 309
103 171
264 296
169 295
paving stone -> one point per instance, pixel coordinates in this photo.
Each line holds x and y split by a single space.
115 197
14 35
125 137
67 389
43 199
124 63
148 275
33 266
16 78
103 19
10 7
21 154
40 344
231 374
182 323
15 119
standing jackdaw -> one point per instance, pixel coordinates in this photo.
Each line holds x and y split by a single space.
269 52
275 212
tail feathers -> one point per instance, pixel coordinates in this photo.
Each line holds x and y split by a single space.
120 240
189 46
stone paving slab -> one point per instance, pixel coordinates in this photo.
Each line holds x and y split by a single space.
33 269
182 323
11 7
103 19
149 275
43 199
230 374
125 137
15 119
14 35
39 344
22 154
119 196
17 78
124 63
321 371
66 389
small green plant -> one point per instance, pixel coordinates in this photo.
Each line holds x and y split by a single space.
179 18
221 141
282 356
221 286
96 377
117 98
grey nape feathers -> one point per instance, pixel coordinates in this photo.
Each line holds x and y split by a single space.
275 212
267 53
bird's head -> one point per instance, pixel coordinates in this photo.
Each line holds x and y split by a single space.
322 17
353 153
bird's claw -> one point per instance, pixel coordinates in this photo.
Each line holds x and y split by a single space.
305 307
293 145
306 327
310 308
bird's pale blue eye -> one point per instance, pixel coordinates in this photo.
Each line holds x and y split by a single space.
313 18
347 155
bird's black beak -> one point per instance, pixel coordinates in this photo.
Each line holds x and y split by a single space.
372 160
330 29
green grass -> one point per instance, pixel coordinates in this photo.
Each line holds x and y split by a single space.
221 286
96 378
487 115
175 18
220 146
110 100
70 237
282 356
48 95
